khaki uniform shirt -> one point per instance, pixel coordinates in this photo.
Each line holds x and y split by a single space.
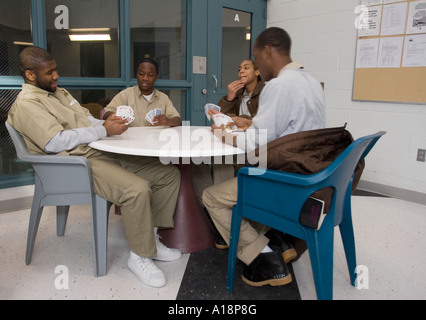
133 97
39 115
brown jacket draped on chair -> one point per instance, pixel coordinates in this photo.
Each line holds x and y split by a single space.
307 153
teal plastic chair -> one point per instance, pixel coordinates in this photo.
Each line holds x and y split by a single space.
62 181
275 199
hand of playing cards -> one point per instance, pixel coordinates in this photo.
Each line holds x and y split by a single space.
210 106
126 113
152 114
220 118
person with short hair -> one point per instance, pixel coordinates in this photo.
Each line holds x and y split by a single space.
144 97
292 101
51 121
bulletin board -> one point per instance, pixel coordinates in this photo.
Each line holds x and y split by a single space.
391 51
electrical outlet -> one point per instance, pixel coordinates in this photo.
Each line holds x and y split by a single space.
421 155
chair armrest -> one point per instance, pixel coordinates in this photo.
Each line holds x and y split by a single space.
281 176
74 171
52 159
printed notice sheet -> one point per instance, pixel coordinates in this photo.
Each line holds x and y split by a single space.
394 19
391 1
367 52
415 51
371 2
417 17
369 23
390 52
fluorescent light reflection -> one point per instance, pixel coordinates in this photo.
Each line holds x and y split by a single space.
90 37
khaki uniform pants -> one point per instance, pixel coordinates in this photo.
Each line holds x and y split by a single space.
219 199
204 175
146 190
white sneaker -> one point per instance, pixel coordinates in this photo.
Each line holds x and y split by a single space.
164 253
146 270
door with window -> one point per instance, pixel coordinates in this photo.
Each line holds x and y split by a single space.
232 27
97 44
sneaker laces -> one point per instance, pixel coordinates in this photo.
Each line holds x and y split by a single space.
160 245
147 265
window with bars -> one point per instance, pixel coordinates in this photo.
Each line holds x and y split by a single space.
94 71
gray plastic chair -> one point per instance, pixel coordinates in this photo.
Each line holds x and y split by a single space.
62 181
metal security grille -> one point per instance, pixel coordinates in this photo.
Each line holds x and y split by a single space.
13 171
15 34
158 31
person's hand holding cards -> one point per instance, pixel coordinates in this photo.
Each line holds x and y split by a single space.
115 125
220 120
156 118
225 122
126 113
211 109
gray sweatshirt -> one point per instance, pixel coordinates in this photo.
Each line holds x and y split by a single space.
290 103
69 139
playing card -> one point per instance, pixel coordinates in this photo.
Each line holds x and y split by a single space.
158 112
131 119
209 106
127 113
222 119
152 114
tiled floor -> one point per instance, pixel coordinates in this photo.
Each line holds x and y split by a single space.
390 239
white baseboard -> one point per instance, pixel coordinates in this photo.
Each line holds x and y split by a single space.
403 194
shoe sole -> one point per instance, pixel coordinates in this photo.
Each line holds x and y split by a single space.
167 259
221 246
150 284
272 282
289 255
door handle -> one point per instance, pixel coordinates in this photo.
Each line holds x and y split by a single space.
216 83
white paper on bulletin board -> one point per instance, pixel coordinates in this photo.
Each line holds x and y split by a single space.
415 51
369 25
367 53
417 17
394 19
371 2
390 52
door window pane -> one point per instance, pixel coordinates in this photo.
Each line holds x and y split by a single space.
94 100
236 43
83 36
178 98
15 34
158 31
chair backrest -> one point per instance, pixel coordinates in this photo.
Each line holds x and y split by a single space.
18 142
73 172
298 187
340 172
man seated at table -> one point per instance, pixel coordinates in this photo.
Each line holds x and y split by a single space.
144 97
51 121
292 101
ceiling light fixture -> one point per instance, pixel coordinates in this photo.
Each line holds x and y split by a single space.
21 43
90 30
90 37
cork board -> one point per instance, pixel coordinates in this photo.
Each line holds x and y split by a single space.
399 74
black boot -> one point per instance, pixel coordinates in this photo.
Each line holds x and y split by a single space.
277 243
221 243
267 268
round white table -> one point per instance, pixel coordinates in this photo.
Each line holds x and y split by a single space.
184 147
